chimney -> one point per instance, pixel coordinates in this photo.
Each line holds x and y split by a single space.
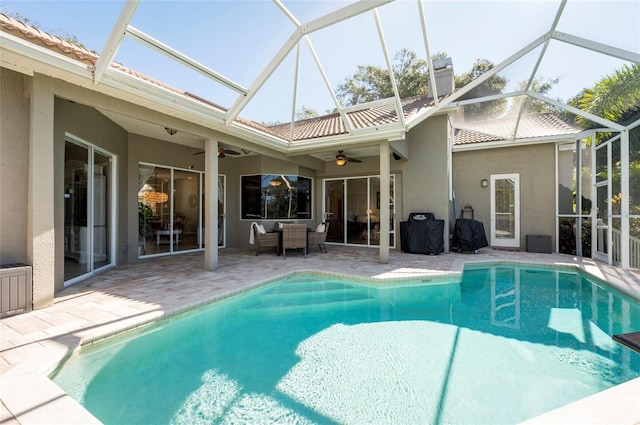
445 81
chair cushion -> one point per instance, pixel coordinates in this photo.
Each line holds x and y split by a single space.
320 228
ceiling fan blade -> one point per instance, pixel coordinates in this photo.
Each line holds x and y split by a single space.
199 153
353 160
231 152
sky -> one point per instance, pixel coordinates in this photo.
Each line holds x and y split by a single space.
239 38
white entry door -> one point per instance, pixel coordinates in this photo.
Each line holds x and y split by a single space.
505 210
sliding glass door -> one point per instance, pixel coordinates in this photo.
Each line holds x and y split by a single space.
88 181
352 209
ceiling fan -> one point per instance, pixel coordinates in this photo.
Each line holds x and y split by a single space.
222 152
342 159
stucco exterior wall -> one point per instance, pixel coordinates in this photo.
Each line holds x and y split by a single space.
536 166
90 126
425 180
14 166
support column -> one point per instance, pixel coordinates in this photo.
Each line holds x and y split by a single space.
211 205
385 214
41 224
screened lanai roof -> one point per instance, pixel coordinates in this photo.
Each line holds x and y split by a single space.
256 64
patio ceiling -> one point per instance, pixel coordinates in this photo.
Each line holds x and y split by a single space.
259 62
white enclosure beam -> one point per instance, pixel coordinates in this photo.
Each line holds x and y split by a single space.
421 116
624 200
115 38
596 47
295 93
302 30
432 74
573 110
172 53
345 120
532 77
387 58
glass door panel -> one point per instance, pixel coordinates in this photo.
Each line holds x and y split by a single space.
505 210
185 218
76 210
374 211
357 201
334 210
101 210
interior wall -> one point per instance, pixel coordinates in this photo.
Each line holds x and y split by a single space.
536 166
14 166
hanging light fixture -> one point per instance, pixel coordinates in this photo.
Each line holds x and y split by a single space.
341 159
156 197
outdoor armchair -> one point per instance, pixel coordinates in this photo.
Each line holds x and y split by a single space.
294 236
319 236
264 239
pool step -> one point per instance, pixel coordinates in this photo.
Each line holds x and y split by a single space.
308 294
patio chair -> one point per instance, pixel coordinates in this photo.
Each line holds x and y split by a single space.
264 240
319 237
294 236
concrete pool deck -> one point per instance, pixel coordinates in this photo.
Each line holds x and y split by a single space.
32 345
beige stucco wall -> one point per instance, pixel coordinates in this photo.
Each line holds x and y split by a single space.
536 166
421 181
14 166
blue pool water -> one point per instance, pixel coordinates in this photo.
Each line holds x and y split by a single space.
503 345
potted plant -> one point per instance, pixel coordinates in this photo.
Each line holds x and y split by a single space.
144 212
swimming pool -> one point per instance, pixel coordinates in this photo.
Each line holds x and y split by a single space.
503 345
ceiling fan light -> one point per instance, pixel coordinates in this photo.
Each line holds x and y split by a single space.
341 161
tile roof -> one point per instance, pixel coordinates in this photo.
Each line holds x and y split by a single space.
332 124
532 125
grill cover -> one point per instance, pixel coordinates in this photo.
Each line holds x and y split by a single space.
420 217
422 237
469 235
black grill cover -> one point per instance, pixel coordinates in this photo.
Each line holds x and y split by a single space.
422 237
469 235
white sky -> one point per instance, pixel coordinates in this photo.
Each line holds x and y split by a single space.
239 38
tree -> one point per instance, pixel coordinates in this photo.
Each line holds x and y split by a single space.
538 85
372 82
305 113
615 97
494 85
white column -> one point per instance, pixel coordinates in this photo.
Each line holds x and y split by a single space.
41 225
624 187
385 214
211 205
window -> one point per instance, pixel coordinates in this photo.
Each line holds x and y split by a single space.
276 196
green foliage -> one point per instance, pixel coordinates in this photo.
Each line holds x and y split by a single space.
372 82
538 85
305 113
615 97
144 212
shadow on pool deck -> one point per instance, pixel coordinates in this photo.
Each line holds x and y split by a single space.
133 295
